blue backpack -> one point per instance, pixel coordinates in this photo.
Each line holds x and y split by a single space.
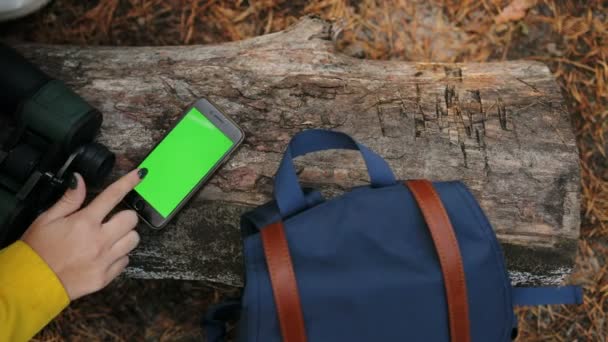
392 261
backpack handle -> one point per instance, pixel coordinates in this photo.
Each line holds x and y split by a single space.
287 191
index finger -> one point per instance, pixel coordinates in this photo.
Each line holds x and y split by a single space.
101 206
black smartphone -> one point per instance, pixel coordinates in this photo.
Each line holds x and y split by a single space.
194 148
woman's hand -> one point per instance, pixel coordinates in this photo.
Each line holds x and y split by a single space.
85 253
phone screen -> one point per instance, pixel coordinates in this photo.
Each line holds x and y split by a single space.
179 162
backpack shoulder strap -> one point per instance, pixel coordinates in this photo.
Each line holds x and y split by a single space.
283 281
450 259
523 296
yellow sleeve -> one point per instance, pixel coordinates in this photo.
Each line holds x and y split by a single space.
31 295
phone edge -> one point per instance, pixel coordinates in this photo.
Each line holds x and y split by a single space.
203 181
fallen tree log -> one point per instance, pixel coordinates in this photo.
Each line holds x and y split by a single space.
501 127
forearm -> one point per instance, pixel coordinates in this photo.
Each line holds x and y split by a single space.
31 295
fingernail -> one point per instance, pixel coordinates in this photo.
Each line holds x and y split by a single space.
142 173
73 184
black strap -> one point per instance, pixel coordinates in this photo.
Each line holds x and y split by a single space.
214 321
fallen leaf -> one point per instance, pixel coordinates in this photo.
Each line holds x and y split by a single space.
514 11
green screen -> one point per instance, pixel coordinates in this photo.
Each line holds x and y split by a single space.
180 161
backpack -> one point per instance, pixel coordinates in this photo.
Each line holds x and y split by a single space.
392 261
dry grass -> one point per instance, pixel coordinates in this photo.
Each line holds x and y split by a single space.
570 36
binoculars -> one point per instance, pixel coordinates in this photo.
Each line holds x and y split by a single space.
46 134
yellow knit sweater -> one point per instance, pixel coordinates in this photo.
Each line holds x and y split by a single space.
31 295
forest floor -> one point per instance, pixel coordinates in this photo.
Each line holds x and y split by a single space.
570 36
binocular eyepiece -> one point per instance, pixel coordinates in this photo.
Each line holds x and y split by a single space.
46 134
92 161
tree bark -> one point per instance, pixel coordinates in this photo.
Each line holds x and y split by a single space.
501 127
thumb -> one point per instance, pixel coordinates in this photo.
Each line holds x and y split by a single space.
70 202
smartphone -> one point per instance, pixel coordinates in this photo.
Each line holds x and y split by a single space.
201 140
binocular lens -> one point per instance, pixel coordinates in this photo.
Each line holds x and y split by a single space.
94 163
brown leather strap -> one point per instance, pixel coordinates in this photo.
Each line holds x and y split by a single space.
447 248
283 280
